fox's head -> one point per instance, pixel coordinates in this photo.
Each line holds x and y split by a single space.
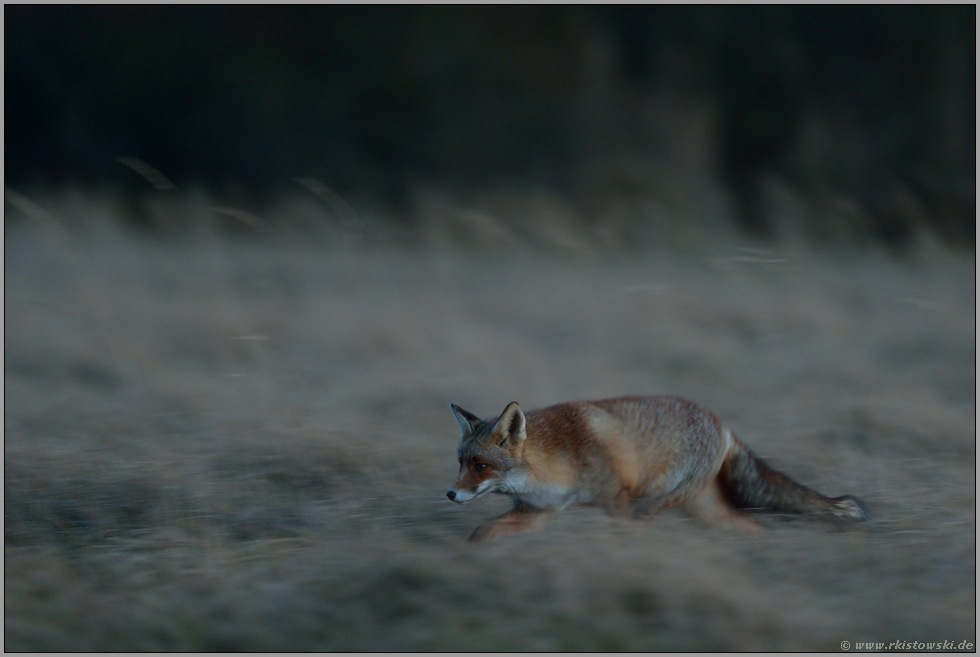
489 452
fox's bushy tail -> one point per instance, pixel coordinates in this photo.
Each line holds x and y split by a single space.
751 484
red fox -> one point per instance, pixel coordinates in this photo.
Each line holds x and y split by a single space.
634 456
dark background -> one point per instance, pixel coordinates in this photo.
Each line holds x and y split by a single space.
872 104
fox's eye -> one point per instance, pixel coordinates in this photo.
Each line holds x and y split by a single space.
480 467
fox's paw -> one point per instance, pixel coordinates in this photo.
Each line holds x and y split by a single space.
517 520
484 532
496 529
850 509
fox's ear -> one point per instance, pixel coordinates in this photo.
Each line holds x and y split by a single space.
510 427
467 421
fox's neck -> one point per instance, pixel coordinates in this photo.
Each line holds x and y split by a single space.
530 482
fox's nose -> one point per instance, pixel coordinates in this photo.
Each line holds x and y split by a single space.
451 495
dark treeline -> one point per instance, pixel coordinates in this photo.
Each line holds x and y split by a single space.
871 104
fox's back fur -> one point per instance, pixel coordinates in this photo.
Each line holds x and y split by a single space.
630 455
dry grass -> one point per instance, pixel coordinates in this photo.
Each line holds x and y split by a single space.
227 445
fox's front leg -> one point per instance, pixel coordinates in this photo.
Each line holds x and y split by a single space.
518 519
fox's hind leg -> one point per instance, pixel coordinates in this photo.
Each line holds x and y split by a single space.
710 506
518 519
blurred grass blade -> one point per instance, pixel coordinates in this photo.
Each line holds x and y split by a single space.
340 208
250 220
152 175
35 212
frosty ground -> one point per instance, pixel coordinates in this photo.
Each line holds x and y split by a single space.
244 444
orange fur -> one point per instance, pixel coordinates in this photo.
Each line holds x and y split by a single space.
630 455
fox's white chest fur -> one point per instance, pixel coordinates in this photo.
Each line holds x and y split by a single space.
522 486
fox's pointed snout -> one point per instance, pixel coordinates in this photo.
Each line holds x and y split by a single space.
460 496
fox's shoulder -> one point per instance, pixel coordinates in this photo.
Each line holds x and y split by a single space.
581 426
575 414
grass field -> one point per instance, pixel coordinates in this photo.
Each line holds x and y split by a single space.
244 444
